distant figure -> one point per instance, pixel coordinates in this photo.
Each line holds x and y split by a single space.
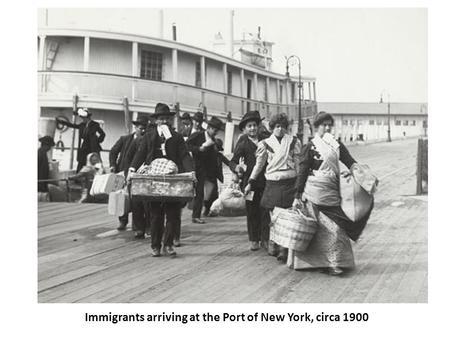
197 121
94 166
88 141
47 143
186 126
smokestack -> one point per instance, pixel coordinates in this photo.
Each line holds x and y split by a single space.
231 33
161 24
174 31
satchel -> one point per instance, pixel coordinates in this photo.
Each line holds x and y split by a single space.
356 202
119 203
104 184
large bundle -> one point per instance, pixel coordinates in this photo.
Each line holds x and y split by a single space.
365 178
118 203
159 166
231 202
104 184
163 188
292 229
356 202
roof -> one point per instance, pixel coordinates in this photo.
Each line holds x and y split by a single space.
373 108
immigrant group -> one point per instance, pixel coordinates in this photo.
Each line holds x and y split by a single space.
272 168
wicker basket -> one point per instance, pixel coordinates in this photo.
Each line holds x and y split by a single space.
292 229
163 188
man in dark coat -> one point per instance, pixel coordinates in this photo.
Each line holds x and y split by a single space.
47 143
163 142
90 135
208 163
119 160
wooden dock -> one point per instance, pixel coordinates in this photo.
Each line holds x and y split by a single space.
82 258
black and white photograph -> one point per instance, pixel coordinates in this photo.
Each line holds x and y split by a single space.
232 155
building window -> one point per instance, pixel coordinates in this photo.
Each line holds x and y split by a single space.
413 122
360 122
229 83
151 65
405 122
292 92
425 124
352 122
345 122
371 122
398 122
379 122
385 122
281 93
198 75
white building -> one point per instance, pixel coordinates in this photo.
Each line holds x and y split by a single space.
369 121
103 68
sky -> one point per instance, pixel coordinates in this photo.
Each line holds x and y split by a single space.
355 54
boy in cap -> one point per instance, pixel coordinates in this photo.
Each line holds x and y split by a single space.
163 142
208 163
119 160
90 135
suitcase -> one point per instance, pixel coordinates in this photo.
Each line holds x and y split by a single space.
118 203
104 184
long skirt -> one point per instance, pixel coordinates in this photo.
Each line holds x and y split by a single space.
329 248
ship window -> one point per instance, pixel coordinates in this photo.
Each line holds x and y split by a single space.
281 94
151 65
229 83
398 122
266 92
413 122
371 122
198 74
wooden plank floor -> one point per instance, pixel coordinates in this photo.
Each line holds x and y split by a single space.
82 259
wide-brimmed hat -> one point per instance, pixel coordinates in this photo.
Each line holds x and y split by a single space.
162 109
252 115
47 140
186 116
198 116
83 112
216 123
141 121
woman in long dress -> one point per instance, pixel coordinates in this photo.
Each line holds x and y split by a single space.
318 194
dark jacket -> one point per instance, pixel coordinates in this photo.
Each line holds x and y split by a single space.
246 148
150 149
208 163
88 141
308 163
43 170
118 156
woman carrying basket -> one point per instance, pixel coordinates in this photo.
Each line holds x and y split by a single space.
318 188
279 154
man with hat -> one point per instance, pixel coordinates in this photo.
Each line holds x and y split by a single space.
119 160
197 121
186 125
47 143
90 135
163 142
208 164
243 162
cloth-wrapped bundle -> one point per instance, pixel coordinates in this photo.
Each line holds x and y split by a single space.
356 202
231 202
292 229
159 166
365 178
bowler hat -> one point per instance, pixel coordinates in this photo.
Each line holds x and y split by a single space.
252 115
198 116
47 140
162 109
216 123
185 116
141 121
